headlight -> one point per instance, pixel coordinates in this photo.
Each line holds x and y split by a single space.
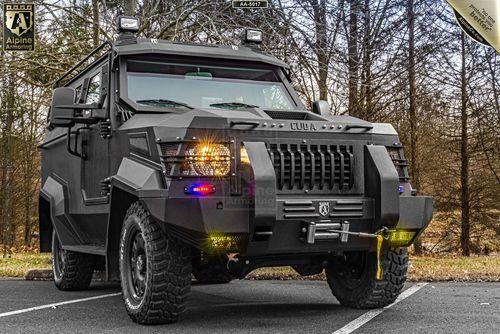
209 159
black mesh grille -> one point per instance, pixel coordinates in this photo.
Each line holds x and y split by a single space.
278 114
306 166
169 151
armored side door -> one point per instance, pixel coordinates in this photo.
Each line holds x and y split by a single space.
94 163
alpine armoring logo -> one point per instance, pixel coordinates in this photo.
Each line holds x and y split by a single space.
324 208
18 30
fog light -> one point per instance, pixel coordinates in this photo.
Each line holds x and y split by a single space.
220 242
401 238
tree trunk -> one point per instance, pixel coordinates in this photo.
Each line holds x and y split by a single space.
95 22
6 215
129 7
3 158
353 61
464 170
414 162
322 54
368 112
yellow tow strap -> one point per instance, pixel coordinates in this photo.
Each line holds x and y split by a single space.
378 274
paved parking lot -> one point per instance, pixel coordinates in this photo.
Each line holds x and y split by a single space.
253 307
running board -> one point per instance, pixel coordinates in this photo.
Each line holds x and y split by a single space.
88 249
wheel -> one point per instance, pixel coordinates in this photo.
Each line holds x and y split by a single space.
352 278
212 270
72 271
155 269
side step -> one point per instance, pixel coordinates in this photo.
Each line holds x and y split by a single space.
88 249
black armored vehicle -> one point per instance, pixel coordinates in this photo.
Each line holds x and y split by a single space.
164 160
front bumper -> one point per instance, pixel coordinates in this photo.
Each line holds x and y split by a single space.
273 223
285 234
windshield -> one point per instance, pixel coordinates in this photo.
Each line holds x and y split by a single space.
203 86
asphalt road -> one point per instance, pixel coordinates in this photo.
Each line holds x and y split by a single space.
255 307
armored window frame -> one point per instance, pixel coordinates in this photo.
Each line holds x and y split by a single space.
93 93
123 86
78 92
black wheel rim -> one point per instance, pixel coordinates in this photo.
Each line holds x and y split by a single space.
353 268
137 265
59 259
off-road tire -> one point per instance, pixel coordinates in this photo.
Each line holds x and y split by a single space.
72 270
167 269
212 270
368 292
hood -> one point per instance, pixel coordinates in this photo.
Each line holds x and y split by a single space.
257 119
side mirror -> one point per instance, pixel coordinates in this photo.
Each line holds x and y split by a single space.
321 107
61 115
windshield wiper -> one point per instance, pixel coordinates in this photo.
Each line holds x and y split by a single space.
233 105
164 102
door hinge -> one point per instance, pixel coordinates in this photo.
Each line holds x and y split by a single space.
105 129
105 186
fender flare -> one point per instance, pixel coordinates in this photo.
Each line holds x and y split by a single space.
125 188
55 192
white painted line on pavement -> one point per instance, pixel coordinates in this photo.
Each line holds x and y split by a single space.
36 308
364 318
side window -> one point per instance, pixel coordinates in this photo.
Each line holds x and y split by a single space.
78 91
93 92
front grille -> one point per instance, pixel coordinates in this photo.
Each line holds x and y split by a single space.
308 166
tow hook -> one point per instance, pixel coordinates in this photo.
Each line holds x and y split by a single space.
380 235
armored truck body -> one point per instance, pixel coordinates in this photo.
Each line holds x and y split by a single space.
164 160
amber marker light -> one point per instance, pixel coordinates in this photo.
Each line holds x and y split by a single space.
244 156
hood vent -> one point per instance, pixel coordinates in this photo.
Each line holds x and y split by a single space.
280 114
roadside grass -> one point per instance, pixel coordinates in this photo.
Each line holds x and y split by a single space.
16 265
455 268
430 268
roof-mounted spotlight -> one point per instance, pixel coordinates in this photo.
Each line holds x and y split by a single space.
252 36
128 24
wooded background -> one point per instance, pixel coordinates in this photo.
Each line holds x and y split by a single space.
403 62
